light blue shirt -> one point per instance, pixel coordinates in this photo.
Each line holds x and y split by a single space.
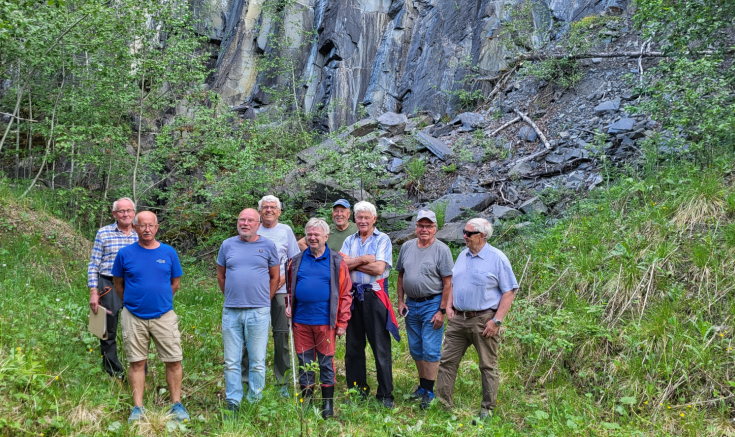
377 244
479 281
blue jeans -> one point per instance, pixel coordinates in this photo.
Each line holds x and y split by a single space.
248 328
424 342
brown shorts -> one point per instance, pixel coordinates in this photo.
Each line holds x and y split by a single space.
137 335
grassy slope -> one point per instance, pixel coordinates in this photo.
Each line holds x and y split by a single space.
623 326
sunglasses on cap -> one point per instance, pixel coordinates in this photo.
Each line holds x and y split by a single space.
470 233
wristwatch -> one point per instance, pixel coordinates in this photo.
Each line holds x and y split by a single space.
443 310
497 322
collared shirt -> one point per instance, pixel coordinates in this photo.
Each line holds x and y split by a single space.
109 240
377 244
479 281
313 289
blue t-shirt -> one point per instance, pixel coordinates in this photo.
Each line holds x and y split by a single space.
246 263
147 274
312 289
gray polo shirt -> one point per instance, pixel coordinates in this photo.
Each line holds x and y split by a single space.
424 268
286 245
479 281
247 281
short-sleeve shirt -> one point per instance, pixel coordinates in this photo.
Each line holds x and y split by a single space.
377 244
424 268
479 281
246 263
286 245
337 237
313 289
147 274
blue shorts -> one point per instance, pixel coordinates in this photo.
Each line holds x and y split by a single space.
424 342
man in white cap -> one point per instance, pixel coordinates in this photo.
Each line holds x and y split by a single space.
425 279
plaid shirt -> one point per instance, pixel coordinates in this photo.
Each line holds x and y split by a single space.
377 244
108 241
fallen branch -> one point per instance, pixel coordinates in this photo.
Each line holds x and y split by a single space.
493 133
533 125
570 165
18 118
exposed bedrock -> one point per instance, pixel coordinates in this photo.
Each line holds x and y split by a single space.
400 56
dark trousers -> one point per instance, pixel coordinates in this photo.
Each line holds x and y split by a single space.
281 354
111 301
368 320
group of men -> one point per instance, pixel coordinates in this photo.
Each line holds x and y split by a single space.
332 283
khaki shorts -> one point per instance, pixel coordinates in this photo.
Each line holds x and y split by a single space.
137 335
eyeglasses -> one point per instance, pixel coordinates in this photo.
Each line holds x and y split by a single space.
125 211
470 233
145 226
268 207
425 226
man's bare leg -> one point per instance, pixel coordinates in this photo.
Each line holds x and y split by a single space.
174 375
136 376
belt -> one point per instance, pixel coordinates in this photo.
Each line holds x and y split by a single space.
109 278
424 299
471 314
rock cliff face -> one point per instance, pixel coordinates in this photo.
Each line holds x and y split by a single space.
402 56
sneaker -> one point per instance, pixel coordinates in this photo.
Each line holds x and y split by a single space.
483 417
284 391
426 399
418 394
231 411
388 403
179 412
136 414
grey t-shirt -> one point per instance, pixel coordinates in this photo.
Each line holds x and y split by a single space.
286 245
247 282
423 269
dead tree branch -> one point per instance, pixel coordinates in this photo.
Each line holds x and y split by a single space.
493 133
533 125
638 54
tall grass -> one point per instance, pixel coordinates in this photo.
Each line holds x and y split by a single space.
622 326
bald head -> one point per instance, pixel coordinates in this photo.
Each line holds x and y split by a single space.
146 226
248 223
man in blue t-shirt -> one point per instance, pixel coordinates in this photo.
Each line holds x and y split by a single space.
248 272
146 276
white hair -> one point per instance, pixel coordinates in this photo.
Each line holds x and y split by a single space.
269 198
366 207
135 219
316 222
483 226
114 204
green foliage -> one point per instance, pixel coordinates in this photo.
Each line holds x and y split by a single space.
685 26
440 209
581 37
415 170
451 168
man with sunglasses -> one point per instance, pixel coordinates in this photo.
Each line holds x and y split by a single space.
483 289
425 278
109 240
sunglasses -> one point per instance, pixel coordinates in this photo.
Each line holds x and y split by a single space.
470 233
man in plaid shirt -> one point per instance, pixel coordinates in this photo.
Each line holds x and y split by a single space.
108 241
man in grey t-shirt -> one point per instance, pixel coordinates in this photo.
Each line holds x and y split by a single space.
247 274
269 208
425 278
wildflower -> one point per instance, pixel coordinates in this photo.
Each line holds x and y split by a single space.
58 300
460 424
689 406
57 378
669 407
302 400
193 327
646 402
722 335
18 349
682 414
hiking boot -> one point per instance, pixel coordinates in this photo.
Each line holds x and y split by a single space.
179 412
426 399
388 403
418 394
327 402
136 414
